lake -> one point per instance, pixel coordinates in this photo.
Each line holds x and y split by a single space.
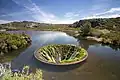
103 62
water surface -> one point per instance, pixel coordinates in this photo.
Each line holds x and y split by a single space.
103 62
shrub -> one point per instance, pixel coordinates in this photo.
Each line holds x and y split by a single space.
85 29
113 38
10 41
24 75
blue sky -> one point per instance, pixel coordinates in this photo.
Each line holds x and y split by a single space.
57 11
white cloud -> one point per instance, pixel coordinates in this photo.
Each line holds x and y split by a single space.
4 21
113 10
41 16
71 15
98 6
37 13
14 14
46 38
112 13
64 21
107 16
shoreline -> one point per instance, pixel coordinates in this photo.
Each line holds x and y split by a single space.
73 32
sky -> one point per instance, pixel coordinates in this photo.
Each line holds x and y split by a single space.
57 11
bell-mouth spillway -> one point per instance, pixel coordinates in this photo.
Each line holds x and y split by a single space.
61 54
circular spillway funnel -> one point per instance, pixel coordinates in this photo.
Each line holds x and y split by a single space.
61 54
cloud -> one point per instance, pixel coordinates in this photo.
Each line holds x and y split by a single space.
4 21
14 14
35 11
113 10
107 16
64 21
41 16
71 15
46 38
99 6
111 13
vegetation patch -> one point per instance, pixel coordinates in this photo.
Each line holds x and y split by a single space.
61 54
24 74
12 41
112 38
102 35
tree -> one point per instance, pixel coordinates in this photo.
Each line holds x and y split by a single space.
85 28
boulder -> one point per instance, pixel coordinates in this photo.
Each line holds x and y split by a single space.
94 38
14 47
1 53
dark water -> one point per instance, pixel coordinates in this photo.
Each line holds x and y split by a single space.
103 62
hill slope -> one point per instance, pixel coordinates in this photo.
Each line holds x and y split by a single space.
103 23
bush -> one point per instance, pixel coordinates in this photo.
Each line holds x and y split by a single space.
113 38
85 29
24 75
9 41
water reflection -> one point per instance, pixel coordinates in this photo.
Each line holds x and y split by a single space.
55 68
8 57
85 44
53 38
116 48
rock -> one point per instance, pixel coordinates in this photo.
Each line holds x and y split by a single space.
105 31
107 41
1 53
3 45
6 49
14 47
7 65
9 48
29 40
94 38
25 43
77 34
